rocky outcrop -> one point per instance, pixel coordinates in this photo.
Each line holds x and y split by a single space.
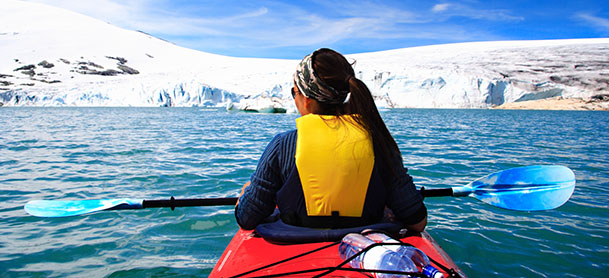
46 64
127 70
26 67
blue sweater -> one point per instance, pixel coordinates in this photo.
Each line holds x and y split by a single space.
275 165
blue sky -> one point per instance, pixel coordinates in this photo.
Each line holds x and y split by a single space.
291 29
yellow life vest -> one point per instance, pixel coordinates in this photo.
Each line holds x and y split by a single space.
334 158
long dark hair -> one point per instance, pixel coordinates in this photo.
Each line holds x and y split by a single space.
335 71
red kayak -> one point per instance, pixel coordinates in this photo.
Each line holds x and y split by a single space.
249 255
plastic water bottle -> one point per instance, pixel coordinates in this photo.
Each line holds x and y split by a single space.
420 260
377 258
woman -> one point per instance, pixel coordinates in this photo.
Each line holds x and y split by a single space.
341 167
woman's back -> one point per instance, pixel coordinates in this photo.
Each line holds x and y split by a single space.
341 162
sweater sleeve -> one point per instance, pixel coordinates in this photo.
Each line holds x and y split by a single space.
258 199
404 199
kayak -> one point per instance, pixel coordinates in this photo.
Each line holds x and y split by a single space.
249 255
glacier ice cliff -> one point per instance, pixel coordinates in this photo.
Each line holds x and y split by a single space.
42 65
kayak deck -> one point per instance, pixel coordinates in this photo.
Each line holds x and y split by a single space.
249 255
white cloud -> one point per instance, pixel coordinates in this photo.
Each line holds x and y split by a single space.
456 9
107 10
440 7
385 14
159 16
598 22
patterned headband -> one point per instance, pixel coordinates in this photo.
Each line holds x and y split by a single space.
313 87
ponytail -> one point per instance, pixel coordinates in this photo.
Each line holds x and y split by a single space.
335 71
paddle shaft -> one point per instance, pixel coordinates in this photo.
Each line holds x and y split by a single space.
438 192
174 203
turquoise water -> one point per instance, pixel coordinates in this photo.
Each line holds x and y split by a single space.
155 153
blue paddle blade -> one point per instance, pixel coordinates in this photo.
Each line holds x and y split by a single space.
529 188
45 208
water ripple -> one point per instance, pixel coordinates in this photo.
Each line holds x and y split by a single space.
155 153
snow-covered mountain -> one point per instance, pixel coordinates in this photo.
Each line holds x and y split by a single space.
54 57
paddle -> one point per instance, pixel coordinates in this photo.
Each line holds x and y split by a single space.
528 188
46 208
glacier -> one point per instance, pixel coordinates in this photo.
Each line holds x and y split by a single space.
54 57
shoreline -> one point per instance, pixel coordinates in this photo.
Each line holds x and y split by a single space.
597 103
